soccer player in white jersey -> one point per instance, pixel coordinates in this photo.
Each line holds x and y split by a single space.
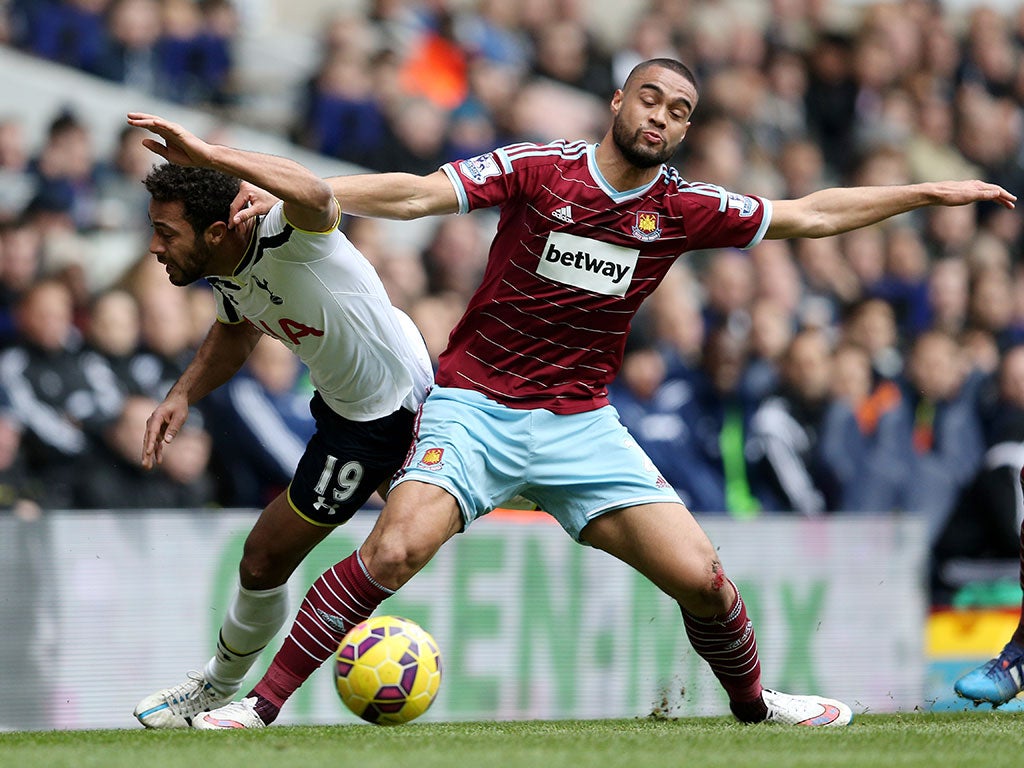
293 275
585 233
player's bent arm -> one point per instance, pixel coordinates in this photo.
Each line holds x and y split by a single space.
833 211
220 355
402 196
309 203
224 350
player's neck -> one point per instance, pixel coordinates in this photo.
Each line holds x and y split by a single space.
229 252
618 171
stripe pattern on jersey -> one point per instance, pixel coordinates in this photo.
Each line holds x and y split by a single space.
570 265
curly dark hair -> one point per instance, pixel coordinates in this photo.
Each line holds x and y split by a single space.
206 194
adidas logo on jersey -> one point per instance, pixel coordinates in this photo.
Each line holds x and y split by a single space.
563 214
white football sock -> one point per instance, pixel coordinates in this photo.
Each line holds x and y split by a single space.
253 619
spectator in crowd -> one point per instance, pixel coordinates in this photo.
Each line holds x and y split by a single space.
341 112
718 418
20 267
131 56
50 390
260 423
948 296
166 338
112 476
16 183
455 256
65 172
905 284
194 50
565 53
992 307
933 435
189 468
871 324
18 489
852 384
414 138
811 446
676 320
980 539
771 331
728 289
122 198
435 315
111 351
71 32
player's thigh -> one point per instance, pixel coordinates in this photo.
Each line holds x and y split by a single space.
417 519
666 544
277 543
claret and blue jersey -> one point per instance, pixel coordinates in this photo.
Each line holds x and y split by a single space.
571 262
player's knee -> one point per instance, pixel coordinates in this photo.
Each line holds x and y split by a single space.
707 591
393 559
259 569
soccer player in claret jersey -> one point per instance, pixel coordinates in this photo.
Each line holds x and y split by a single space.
586 232
999 680
293 275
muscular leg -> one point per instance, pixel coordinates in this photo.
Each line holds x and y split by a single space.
278 542
665 544
417 519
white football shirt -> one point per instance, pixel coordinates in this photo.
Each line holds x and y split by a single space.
318 294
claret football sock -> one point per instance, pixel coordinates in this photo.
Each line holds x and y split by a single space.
339 599
728 645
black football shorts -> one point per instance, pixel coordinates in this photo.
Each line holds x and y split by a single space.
345 462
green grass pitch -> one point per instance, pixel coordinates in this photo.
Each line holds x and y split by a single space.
982 739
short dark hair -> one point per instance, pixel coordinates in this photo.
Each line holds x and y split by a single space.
205 193
665 63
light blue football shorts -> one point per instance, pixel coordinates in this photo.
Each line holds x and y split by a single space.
575 467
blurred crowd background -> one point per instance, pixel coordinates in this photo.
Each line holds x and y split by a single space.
876 371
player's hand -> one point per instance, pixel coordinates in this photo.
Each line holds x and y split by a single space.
966 192
161 427
180 146
251 201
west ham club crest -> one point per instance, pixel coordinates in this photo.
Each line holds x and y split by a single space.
647 226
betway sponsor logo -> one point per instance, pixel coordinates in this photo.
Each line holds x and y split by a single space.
588 264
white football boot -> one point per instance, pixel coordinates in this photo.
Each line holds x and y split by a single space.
805 710
176 706
237 714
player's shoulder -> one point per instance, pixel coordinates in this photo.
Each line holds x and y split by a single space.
531 153
705 194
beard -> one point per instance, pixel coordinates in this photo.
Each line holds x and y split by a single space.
193 266
632 148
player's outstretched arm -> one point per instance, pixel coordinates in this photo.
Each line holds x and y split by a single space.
402 196
309 201
832 211
222 353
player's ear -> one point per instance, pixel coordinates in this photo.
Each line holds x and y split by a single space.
216 232
616 103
